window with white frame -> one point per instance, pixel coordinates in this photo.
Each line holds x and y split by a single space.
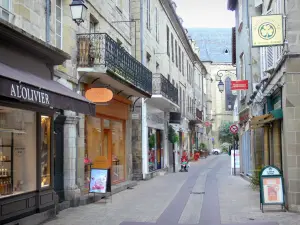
242 72
148 12
5 6
58 24
156 24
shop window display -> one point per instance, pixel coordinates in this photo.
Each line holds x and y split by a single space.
105 140
118 151
93 146
45 151
17 151
155 155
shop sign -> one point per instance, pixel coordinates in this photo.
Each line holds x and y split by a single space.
239 85
26 93
135 116
100 181
244 116
99 95
175 117
267 30
271 187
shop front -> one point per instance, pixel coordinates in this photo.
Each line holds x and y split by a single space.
30 101
271 125
105 139
156 128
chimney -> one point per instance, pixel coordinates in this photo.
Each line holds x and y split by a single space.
180 19
174 5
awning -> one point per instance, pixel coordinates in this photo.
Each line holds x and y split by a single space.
260 121
30 88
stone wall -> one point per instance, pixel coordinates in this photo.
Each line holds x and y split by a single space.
137 159
291 139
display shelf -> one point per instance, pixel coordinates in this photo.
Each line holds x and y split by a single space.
15 131
7 182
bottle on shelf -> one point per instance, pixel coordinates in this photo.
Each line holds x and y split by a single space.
1 188
1 156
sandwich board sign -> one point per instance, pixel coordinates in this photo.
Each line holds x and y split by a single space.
271 187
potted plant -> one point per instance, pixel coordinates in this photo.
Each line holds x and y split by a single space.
203 150
173 139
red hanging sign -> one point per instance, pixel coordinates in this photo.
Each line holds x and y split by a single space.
239 85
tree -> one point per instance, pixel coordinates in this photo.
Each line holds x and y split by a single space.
224 133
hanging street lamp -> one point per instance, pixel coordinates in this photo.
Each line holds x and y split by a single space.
221 86
78 11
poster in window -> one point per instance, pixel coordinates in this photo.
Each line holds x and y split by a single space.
99 179
272 190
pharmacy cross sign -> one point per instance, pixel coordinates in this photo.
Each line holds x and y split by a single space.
233 129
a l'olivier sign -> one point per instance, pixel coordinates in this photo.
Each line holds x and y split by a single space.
267 30
26 93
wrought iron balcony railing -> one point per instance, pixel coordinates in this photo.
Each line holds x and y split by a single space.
162 86
99 49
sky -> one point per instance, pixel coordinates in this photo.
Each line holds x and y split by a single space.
205 13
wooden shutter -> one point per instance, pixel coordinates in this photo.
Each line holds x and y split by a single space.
233 46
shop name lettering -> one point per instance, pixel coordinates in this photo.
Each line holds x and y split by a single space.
27 94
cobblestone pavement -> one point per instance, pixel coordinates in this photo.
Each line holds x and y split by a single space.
206 195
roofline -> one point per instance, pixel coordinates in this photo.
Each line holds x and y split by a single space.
231 4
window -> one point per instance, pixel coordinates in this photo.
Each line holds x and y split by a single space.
176 56
148 19
168 41
156 25
58 26
180 99
172 46
187 69
182 64
179 51
17 151
242 72
183 99
45 151
4 9
93 24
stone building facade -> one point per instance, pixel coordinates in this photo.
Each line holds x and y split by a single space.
273 102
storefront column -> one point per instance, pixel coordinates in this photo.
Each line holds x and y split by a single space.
266 146
144 139
277 143
72 191
166 143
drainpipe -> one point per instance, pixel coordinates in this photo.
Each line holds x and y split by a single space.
249 47
144 107
48 12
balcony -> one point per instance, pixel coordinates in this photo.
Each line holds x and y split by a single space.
164 94
100 57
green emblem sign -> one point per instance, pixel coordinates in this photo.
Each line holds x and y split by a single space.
271 187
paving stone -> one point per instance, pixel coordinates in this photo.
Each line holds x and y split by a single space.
167 200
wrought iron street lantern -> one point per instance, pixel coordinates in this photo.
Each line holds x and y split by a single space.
221 86
78 11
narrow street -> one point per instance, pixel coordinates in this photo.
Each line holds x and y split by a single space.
206 195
